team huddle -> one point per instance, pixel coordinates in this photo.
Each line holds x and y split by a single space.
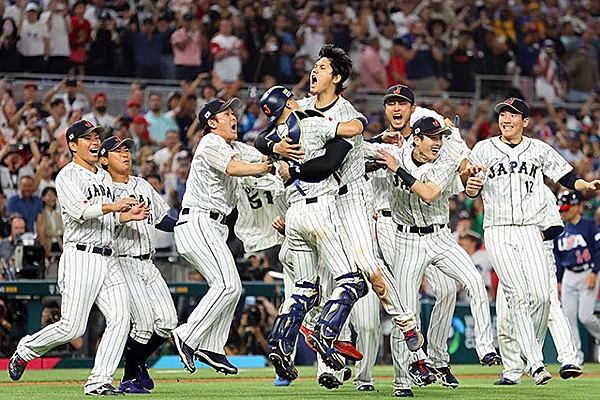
360 222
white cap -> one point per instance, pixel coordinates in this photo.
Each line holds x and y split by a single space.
31 7
421 112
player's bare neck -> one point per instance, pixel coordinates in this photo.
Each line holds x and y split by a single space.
419 158
513 141
326 99
81 162
119 178
575 219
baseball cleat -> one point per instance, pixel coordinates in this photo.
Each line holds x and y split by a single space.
105 390
143 377
347 374
345 348
414 339
491 359
330 356
16 367
283 364
279 381
445 377
403 393
366 388
218 361
132 386
420 373
186 353
505 382
329 381
541 376
570 371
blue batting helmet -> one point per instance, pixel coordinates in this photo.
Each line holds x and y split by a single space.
273 102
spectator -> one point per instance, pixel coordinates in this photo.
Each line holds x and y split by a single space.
44 175
159 122
268 63
57 120
175 182
139 131
57 24
50 223
167 60
582 73
340 33
186 115
4 222
165 157
133 108
99 115
8 244
75 94
228 52
187 44
372 70
102 55
30 94
5 330
79 37
421 58
461 61
549 74
471 242
26 203
34 42
311 36
9 54
165 241
147 44
287 49
396 68
8 110
12 157
254 31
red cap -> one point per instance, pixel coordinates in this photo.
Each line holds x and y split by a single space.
29 84
139 119
133 103
98 96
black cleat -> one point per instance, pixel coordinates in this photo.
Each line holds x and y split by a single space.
218 361
16 367
505 382
491 359
445 377
420 373
186 353
403 393
366 388
143 377
570 371
329 381
283 363
105 390
328 353
347 373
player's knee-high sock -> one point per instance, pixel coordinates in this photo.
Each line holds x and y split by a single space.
153 344
133 354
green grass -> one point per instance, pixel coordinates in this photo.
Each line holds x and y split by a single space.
475 383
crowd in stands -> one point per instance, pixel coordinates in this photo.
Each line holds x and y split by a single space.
213 47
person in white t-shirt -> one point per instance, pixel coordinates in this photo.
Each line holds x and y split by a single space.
55 19
34 41
228 52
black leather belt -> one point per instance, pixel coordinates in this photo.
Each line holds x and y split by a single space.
185 211
343 190
143 257
386 213
311 200
103 251
421 230
218 217
579 268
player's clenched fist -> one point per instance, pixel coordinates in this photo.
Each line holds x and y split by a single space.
123 205
473 186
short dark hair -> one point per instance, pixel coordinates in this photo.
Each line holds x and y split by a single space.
341 64
157 176
48 189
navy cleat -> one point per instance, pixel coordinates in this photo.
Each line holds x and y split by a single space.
329 381
505 382
143 377
218 361
445 377
328 353
132 386
403 393
186 353
491 359
420 373
570 371
16 367
283 363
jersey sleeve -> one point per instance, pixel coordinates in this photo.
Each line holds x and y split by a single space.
551 216
554 165
443 173
456 146
217 153
594 240
72 199
476 155
248 153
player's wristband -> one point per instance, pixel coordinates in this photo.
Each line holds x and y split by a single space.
473 197
406 177
93 211
294 172
363 121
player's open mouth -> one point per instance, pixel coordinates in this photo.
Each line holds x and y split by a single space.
94 150
313 80
435 150
397 118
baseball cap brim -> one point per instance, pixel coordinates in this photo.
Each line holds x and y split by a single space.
399 96
444 131
127 142
501 105
565 207
232 103
98 129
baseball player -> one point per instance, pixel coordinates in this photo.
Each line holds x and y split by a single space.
200 233
326 84
312 230
557 321
423 179
153 313
514 200
577 252
88 271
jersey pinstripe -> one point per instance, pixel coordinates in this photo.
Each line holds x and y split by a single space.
353 166
256 211
208 187
513 184
137 238
77 189
408 209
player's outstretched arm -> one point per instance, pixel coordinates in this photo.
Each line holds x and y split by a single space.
351 128
321 167
240 168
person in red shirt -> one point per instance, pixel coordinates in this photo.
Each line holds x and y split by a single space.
80 34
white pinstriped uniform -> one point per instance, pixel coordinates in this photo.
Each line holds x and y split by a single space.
357 224
515 202
559 326
256 210
152 308
85 278
200 239
439 249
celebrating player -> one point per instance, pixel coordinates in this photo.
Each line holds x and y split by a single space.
201 232
513 198
88 270
153 314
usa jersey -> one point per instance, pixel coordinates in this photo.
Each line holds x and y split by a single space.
578 247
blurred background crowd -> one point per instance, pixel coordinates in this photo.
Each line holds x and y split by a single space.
142 69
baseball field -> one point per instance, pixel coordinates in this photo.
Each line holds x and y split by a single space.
475 383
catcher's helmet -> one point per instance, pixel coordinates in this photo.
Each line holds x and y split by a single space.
273 102
568 199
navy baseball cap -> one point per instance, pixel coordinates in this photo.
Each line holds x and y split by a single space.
81 128
273 101
514 104
401 92
429 126
213 107
113 143
568 199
